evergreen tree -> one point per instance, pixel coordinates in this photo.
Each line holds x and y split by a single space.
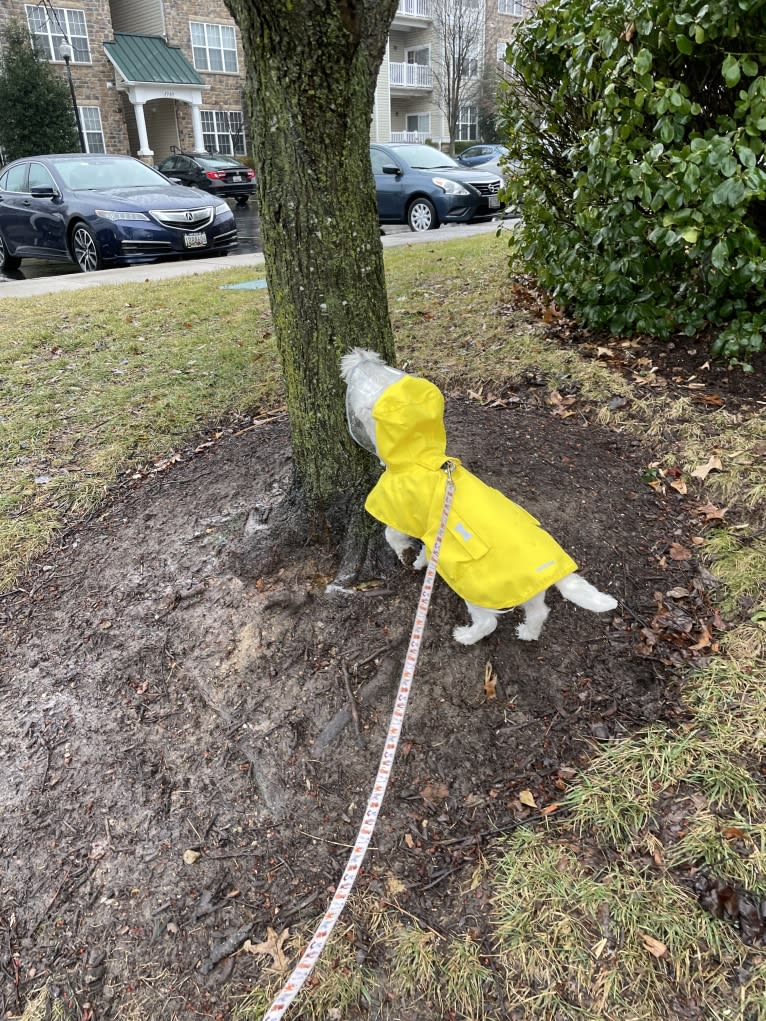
36 115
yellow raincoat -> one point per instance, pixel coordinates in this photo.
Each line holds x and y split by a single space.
494 554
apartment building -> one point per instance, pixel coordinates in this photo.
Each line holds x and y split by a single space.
153 75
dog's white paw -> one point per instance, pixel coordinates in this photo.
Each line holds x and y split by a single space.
527 633
603 603
466 634
420 560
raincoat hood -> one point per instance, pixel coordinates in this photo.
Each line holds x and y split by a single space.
409 425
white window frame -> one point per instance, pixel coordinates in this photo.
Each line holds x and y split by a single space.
49 27
517 8
501 48
220 126
467 126
92 128
210 48
422 119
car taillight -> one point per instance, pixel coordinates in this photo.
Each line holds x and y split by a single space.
250 173
215 175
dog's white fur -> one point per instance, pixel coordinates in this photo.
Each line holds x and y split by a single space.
573 587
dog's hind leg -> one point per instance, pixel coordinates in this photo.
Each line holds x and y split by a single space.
535 615
399 543
580 592
484 623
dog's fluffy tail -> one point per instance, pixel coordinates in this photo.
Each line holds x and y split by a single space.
580 592
355 357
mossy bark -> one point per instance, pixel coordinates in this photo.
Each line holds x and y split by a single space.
312 69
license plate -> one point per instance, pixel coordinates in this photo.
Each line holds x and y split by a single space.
198 240
494 202
237 178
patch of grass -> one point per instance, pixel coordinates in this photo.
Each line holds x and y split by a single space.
731 847
118 377
582 937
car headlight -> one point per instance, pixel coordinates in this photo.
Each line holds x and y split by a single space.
223 212
120 214
449 186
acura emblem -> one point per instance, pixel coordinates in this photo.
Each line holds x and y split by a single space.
189 216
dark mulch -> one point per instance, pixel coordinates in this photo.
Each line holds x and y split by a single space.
155 703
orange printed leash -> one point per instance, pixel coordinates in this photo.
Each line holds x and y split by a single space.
305 966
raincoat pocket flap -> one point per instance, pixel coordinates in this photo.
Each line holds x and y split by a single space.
464 542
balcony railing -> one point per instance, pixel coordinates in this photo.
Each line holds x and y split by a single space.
415 8
409 136
411 76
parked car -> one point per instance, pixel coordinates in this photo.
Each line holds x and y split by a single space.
97 210
423 187
213 172
476 155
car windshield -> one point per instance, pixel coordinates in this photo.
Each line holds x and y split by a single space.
424 157
96 174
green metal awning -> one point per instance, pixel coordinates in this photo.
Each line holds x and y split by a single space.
148 59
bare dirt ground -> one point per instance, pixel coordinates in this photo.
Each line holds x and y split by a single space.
186 750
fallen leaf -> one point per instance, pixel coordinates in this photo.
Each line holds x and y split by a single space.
703 470
654 946
679 552
490 681
599 948
434 792
710 512
680 486
272 946
679 592
409 841
549 809
527 798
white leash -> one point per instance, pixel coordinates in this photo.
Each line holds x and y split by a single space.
305 966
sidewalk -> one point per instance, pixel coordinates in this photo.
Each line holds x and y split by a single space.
393 237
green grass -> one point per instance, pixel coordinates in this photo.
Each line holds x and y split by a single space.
125 376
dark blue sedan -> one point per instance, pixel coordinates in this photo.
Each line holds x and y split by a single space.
423 187
99 210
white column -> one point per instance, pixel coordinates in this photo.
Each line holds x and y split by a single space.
199 141
143 138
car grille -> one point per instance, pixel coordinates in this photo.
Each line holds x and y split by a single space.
487 188
184 219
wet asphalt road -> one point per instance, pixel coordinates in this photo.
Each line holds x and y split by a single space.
248 230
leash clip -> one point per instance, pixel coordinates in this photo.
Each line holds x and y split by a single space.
448 467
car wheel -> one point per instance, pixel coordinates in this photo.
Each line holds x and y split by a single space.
85 249
7 262
422 215
242 200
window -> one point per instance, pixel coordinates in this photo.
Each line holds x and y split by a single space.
13 179
90 119
501 48
419 122
39 177
50 26
468 124
421 55
214 47
223 131
514 7
469 67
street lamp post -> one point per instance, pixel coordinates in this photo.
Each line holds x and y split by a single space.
66 52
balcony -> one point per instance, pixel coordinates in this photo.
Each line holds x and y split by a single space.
414 9
409 136
411 76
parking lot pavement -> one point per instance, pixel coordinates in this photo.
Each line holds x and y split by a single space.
66 278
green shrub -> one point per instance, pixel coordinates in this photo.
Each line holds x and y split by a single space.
640 129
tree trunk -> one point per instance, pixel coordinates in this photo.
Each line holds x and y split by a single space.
312 70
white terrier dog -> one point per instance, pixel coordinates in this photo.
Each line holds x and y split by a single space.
494 554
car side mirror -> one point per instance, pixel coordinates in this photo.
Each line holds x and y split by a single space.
390 168
43 191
